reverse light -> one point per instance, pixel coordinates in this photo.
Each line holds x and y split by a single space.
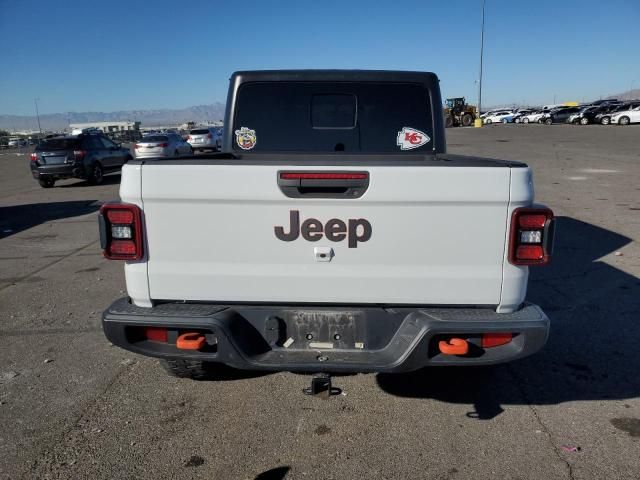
121 235
531 239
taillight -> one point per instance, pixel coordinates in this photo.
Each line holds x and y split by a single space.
34 157
79 154
121 231
531 239
136 146
163 145
209 135
189 138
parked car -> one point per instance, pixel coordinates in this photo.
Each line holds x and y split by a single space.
558 115
625 117
584 116
532 117
503 116
517 117
166 145
17 142
209 138
604 118
86 156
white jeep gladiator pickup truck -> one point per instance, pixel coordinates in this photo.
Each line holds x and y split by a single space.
332 234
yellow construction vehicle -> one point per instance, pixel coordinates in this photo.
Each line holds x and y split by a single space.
458 113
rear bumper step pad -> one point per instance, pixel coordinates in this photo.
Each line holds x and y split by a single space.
355 339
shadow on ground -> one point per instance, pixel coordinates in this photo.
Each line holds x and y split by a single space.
592 353
18 218
110 179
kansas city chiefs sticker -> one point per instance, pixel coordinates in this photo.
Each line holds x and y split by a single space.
410 138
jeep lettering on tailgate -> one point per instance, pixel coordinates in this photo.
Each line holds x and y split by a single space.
355 230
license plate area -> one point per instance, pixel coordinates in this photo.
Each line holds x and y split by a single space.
325 330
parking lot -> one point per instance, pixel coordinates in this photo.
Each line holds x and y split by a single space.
72 406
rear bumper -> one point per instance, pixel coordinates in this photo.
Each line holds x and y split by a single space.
66 170
372 339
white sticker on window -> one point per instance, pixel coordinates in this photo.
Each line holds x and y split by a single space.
246 138
410 138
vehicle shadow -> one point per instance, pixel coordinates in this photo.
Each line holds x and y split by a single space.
109 179
17 218
592 353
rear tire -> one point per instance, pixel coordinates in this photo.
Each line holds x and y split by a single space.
96 176
584 121
624 121
525 120
548 121
488 121
47 182
505 121
605 120
448 121
467 120
200 370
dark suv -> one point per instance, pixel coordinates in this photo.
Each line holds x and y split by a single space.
86 156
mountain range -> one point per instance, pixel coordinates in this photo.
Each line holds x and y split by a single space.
148 118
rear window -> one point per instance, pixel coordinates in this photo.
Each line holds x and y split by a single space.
366 117
199 131
154 138
58 144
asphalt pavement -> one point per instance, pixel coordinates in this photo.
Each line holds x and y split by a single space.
73 407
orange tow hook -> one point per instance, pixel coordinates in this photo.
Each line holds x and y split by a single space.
191 341
454 346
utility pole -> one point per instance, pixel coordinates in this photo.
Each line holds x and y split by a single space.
35 100
478 122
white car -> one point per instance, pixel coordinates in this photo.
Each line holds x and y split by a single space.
17 142
503 116
208 138
165 145
532 117
626 117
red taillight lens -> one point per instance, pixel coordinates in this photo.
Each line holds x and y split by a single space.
530 252
531 236
136 146
34 157
156 334
121 231
209 135
163 145
120 216
79 154
495 339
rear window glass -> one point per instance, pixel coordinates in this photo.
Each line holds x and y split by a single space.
333 116
154 138
58 144
200 131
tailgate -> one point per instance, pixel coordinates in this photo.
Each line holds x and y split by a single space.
437 236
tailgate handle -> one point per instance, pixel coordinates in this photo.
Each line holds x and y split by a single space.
306 184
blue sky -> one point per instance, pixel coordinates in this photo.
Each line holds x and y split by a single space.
116 55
